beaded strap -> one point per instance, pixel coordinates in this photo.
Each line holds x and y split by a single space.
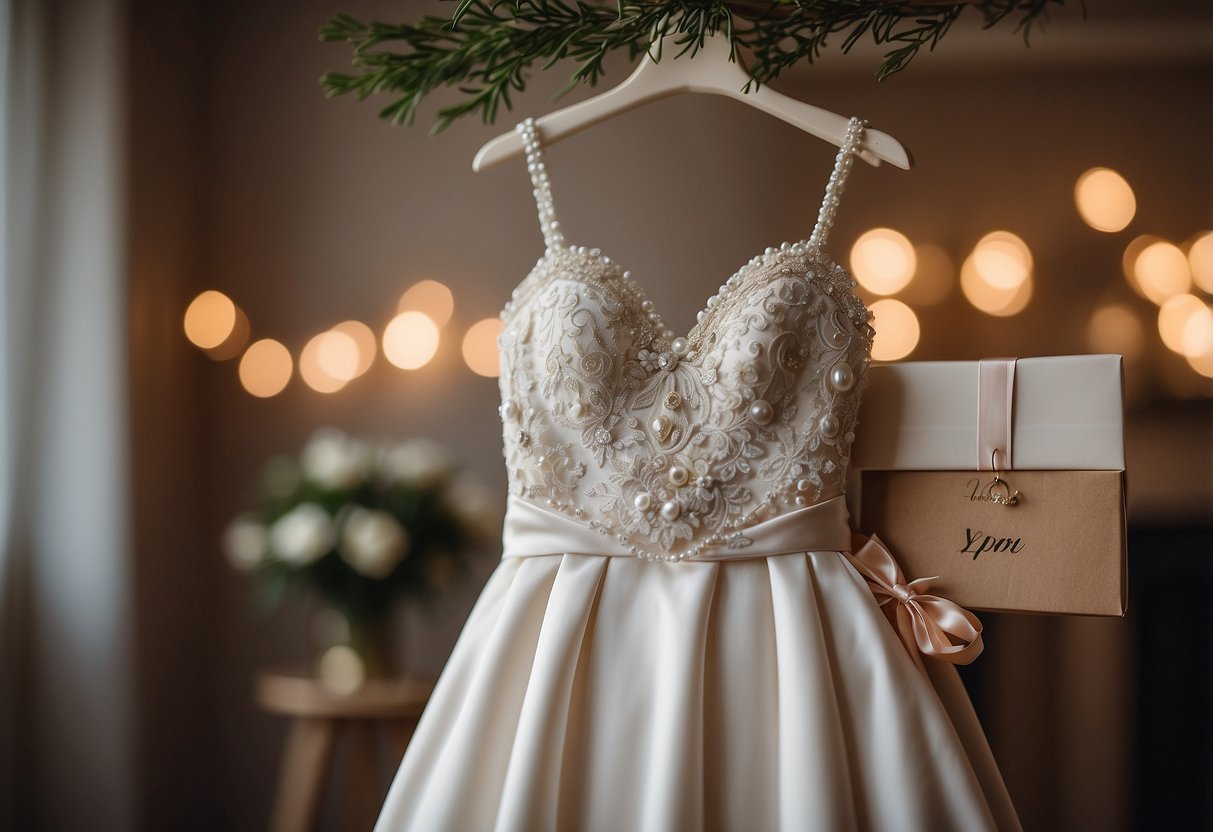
838 180
553 237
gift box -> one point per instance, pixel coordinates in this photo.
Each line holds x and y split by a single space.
1002 479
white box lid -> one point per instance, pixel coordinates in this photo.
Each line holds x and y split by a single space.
1068 414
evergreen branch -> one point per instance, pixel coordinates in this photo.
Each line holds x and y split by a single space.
486 47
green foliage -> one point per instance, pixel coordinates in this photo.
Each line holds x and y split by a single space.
486 48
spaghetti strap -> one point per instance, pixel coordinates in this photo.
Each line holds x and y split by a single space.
838 180
553 237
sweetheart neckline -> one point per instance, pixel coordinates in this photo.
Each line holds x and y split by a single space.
801 248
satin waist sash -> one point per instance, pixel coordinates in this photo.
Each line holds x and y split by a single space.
926 623
531 531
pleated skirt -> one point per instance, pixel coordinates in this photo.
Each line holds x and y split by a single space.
608 693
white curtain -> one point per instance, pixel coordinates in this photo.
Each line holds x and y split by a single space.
66 723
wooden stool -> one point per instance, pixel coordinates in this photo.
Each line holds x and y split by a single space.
318 716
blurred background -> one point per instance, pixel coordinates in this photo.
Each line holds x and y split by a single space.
1061 202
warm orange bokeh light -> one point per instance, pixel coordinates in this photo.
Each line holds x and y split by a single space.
897 330
410 340
990 299
1105 200
265 368
883 261
365 341
1160 271
1002 260
312 369
1200 261
1185 324
209 319
432 299
480 347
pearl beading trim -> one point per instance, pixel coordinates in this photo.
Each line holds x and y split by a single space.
838 180
553 237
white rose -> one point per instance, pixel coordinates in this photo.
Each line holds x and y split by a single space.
331 459
421 462
301 535
372 542
474 505
246 543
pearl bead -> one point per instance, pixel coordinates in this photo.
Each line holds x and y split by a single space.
678 474
761 412
647 305
576 409
842 377
680 346
838 339
829 425
658 424
803 484
642 501
801 501
670 509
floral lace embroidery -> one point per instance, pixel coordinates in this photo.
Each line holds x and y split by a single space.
671 444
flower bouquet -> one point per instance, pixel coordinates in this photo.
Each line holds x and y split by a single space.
361 524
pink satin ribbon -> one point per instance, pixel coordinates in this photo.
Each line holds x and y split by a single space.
995 406
927 624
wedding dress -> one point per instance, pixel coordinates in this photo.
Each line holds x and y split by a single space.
675 638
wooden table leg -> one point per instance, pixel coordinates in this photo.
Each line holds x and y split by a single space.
309 748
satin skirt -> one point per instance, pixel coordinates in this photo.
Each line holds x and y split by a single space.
608 693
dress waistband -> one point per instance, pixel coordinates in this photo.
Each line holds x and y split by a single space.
926 624
531 531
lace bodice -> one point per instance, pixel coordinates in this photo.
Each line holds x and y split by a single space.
670 443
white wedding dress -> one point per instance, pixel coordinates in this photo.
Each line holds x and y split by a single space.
674 639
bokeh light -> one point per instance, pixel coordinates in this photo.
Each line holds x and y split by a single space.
1186 325
410 340
1002 260
1200 260
1128 260
480 347
1202 364
236 340
883 261
265 368
1197 336
897 330
1105 200
991 299
209 319
934 277
337 355
311 365
432 299
1114 328
365 341
1160 271
341 669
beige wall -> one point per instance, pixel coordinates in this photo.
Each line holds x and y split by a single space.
309 211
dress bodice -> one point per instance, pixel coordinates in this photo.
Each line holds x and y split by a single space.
670 444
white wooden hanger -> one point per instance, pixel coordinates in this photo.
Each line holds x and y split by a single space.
709 71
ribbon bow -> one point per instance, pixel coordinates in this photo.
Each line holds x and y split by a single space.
926 623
